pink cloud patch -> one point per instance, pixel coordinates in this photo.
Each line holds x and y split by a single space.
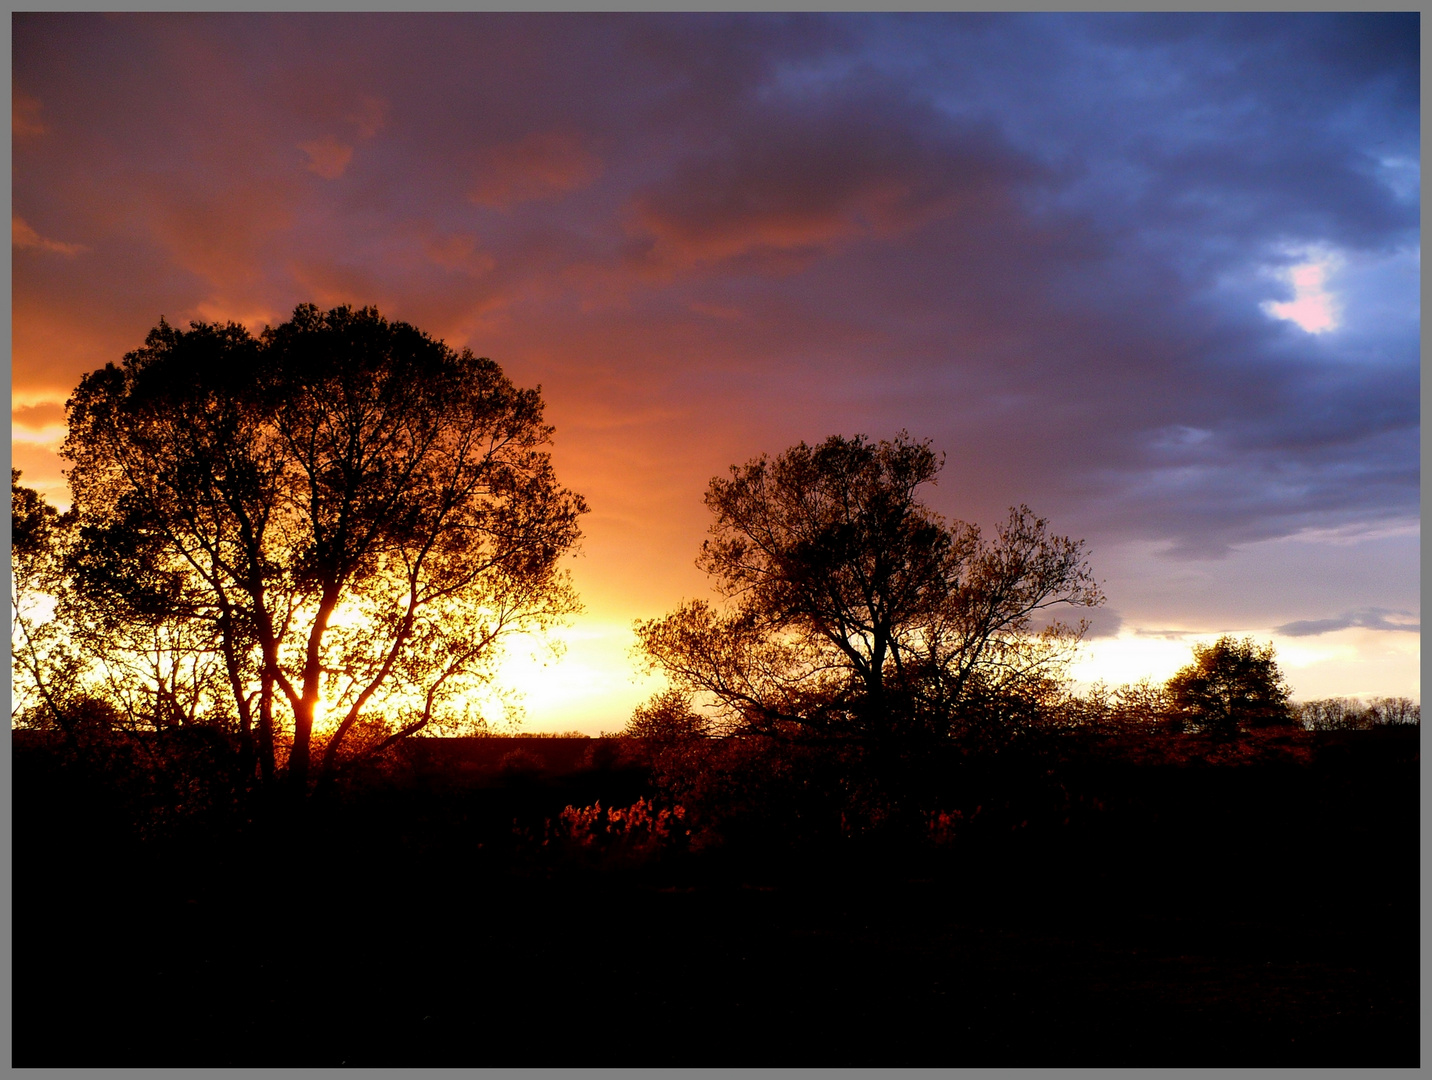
458 252
327 156
25 120
370 117
541 165
23 236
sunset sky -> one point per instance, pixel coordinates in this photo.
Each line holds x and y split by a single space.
1156 277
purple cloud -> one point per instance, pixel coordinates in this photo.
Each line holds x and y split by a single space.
1367 619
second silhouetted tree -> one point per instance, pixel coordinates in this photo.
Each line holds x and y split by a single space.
854 610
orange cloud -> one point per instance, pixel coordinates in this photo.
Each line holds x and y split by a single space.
23 236
789 232
52 346
39 420
220 310
539 166
370 117
41 468
221 235
329 283
459 253
327 156
25 120
780 221
717 311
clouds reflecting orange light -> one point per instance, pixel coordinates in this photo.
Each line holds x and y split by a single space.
1043 241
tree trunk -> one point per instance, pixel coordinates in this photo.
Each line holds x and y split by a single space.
307 705
266 753
302 735
247 753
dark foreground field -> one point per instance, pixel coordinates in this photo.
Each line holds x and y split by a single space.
1258 912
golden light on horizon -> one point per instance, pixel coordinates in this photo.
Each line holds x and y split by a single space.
1348 663
591 685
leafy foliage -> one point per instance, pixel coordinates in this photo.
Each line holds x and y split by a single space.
668 720
342 514
616 836
856 611
46 669
1233 683
1143 706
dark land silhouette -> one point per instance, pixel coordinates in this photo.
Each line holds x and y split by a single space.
1118 900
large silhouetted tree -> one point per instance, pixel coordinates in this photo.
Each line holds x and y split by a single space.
855 610
357 513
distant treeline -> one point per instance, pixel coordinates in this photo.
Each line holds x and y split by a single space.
1350 714
1149 706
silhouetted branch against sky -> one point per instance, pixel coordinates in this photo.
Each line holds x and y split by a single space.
1155 276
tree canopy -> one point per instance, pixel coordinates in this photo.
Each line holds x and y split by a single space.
853 609
1231 684
346 514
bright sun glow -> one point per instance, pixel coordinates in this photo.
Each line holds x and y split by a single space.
1130 657
592 687
1313 308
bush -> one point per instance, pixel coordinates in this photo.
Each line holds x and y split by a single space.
617 836
149 785
667 720
1143 706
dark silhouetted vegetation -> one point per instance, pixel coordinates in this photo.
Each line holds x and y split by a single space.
866 644
1231 684
1350 714
856 611
1104 900
340 511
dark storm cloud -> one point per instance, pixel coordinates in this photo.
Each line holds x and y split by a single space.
806 176
1101 622
1222 143
1368 619
1041 240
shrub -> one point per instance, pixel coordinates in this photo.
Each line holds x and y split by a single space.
667 720
618 835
